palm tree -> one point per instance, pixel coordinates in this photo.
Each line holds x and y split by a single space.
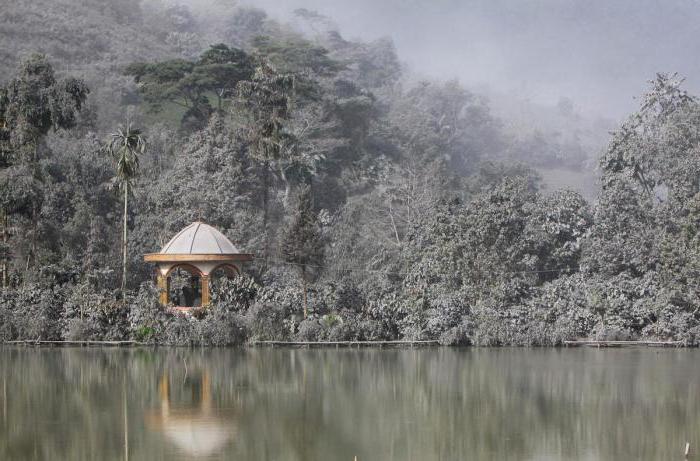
125 146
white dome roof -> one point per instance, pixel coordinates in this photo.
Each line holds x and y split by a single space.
199 238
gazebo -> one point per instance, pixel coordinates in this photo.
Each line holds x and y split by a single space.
200 250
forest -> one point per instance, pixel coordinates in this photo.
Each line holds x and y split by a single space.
378 205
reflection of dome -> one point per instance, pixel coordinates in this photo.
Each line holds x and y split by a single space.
196 434
199 238
197 429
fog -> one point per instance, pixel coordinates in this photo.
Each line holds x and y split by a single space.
598 53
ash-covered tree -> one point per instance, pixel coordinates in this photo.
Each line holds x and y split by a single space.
654 147
32 104
446 123
303 244
297 55
265 107
646 218
649 180
486 256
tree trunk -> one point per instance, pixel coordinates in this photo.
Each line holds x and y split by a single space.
266 200
126 201
219 96
266 186
35 218
5 251
35 225
287 189
393 223
306 302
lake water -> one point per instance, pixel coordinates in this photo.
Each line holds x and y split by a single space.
338 404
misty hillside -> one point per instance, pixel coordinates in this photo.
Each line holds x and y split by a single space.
95 43
379 203
105 37
598 53
99 33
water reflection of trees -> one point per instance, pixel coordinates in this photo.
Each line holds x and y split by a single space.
335 404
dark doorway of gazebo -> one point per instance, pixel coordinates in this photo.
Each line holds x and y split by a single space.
185 286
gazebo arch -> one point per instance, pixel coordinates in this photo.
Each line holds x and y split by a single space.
194 270
230 269
201 248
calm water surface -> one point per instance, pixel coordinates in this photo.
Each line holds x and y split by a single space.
335 404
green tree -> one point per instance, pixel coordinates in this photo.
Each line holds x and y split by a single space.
188 83
173 82
303 244
224 67
125 146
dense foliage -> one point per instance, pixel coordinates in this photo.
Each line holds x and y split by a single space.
377 209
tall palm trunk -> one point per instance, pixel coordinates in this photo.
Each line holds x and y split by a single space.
126 202
306 299
5 250
266 205
125 147
266 192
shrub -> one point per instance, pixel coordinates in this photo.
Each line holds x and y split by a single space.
91 315
268 321
310 330
32 311
234 294
222 327
147 319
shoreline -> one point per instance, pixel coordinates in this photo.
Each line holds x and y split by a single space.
350 344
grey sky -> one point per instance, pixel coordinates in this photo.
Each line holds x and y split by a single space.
600 53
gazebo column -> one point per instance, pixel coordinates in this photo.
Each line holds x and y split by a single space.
205 289
163 289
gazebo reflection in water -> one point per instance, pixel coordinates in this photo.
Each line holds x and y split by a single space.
187 417
189 263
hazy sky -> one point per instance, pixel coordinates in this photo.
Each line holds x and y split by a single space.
598 52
